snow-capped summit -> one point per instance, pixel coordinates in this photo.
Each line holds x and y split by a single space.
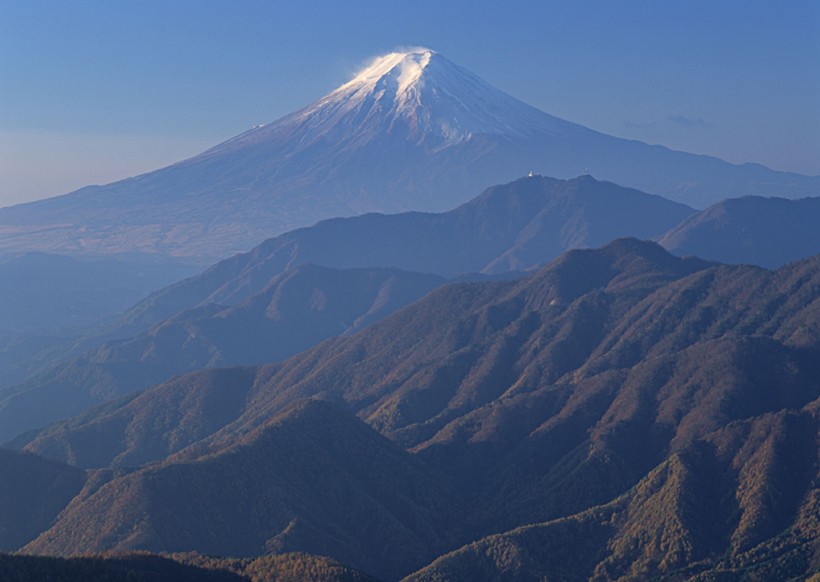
404 67
411 131
418 95
433 96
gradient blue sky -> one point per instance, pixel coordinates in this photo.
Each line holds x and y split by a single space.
94 90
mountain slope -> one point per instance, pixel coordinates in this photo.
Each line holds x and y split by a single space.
516 226
412 131
615 317
642 265
529 401
769 232
295 311
312 479
32 492
591 324
741 504
590 360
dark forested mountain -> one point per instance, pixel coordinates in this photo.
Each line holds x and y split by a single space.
650 414
189 567
312 479
144 567
413 131
295 311
32 492
741 504
769 232
133 568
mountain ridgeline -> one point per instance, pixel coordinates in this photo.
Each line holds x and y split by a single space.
233 313
512 227
769 232
295 311
413 131
620 413
305 286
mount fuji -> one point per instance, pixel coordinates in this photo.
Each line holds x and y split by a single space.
411 131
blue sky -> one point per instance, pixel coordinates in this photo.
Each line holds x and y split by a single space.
93 91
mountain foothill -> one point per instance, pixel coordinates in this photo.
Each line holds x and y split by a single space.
559 379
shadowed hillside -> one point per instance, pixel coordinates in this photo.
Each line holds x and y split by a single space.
769 232
295 311
312 479
136 568
145 567
32 492
741 504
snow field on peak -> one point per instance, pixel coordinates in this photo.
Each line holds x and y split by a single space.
410 66
417 94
